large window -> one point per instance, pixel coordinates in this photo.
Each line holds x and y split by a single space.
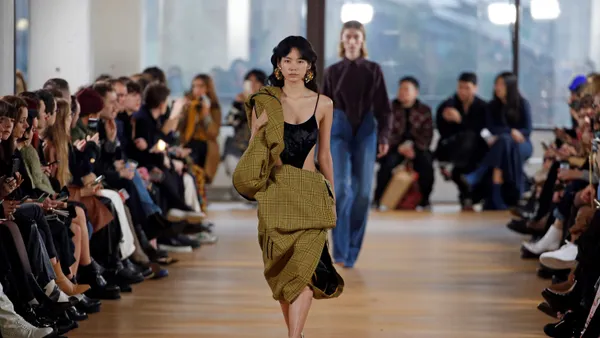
224 38
22 36
552 52
435 40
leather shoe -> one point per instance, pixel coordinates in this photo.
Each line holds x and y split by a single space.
560 302
74 314
88 305
569 326
547 309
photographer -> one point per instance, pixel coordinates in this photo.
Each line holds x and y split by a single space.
199 127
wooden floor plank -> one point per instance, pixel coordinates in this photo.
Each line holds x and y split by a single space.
419 275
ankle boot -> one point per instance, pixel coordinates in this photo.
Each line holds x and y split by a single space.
550 242
14 326
65 284
92 274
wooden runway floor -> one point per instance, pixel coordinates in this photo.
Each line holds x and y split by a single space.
420 275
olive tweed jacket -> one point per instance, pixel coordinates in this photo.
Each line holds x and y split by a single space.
295 206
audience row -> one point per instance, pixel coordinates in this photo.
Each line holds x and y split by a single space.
560 213
96 189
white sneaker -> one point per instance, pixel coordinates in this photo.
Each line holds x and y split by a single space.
550 242
207 238
14 326
563 258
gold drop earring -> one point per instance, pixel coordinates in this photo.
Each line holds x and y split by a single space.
278 74
309 76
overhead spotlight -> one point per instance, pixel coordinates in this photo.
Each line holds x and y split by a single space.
545 9
22 24
502 13
362 13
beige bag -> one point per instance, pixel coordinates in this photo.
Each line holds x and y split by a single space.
401 181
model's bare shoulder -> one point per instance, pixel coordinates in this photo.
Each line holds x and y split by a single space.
325 102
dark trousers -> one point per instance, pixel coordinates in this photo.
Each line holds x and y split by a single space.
28 254
104 244
30 213
422 164
171 192
14 265
199 151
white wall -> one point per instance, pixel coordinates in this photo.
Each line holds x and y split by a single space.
116 32
81 39
60 44
7 51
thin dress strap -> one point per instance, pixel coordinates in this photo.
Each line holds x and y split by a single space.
316 104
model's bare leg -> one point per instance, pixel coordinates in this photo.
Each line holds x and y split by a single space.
80 220
285 308
299 312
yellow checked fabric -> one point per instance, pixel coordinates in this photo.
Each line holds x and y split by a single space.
295 207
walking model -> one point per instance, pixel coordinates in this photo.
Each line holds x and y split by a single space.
296 204
362 119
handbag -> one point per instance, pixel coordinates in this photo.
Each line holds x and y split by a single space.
403 179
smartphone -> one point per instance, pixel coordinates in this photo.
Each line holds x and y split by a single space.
51 163
247 87
124 195
43 198
161 145
564 165
98 180
205 98
545 146
25 198
485 133
132 164
16 163
93 124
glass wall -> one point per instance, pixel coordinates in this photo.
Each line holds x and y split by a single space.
22 36
431 40
552 53
224 38
435 40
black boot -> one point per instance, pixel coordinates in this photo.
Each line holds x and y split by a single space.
562 302
88 305
92 274
570 326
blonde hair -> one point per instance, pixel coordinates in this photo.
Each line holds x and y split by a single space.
592 87
360 27
59 137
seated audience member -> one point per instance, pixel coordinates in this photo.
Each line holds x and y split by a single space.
151 151
508 128
576 92
411 137
460 120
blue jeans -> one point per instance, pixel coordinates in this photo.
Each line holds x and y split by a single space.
148 204
354 156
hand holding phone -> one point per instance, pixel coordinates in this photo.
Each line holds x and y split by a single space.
42 198
98 180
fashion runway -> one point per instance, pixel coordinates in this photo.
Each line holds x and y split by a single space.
441 274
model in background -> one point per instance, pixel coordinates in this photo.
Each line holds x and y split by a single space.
361 126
